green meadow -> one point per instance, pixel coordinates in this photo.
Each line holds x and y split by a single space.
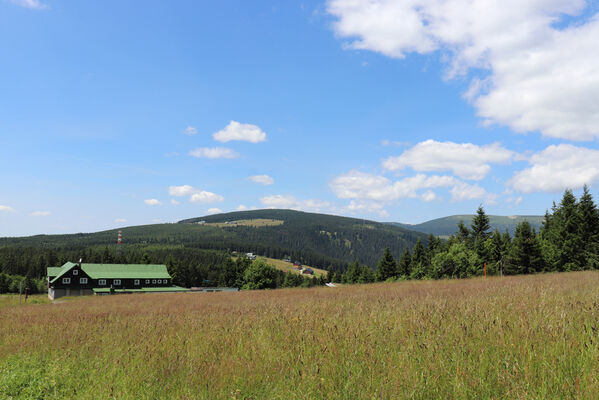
520 337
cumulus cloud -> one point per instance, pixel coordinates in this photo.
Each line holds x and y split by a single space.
6 208
175 202
183 190
466 160
288 201
238 131
31 4
556 168
365 186
372 191
243 207
40 213
204 197
359 207
531 71
262 179
152 202
429 195
465 191
191 130
214 210
120 220
213 152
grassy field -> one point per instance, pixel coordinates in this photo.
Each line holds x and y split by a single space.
256 223
288 266
530 337
11 300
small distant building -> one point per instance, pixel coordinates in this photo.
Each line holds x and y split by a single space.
83 279
297 265
307 271
251 256
214 289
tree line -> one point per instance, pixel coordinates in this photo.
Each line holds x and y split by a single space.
567 241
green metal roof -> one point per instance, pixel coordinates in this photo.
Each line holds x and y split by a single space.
116 271
53 271
143 290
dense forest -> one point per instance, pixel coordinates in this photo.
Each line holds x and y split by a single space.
567 241
324 241
188 267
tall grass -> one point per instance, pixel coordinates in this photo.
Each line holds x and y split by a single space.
516 337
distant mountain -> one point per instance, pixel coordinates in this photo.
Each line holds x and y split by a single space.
448 225
318 240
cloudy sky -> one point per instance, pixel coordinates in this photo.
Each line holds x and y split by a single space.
116 113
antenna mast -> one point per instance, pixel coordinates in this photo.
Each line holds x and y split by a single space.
119 241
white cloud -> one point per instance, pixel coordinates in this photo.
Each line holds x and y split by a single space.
557 168
204 197
152 202
429 195
466 160
527 73
214 210
359 206
213 152
183 190
32 4
290 202
262 179
175 202
40 213
6 209
191 130
365 186
237 131
243 207
465 191
372 191
120 220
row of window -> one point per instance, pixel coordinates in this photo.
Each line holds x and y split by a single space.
82 281
115 282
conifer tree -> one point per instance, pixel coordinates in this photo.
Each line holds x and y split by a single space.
480 224
589 227
525 255
405 263
387 267
463 232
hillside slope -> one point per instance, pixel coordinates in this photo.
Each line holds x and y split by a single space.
299 234
315 239
448 225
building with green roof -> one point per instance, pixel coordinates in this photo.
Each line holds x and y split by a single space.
79 279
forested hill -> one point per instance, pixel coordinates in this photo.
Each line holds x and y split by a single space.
448 225
317 239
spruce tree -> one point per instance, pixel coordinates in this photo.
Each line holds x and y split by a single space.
480 224
387 267
525 254
589 228
405 263
567 248
463 232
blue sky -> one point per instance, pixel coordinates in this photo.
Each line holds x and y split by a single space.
115 113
